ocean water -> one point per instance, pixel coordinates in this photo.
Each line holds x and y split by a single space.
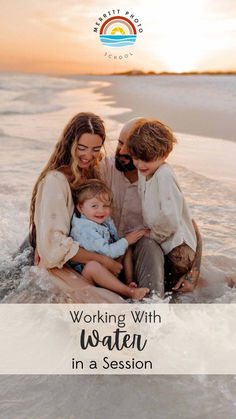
34 110
119 397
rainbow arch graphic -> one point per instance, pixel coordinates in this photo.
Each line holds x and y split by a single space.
118 31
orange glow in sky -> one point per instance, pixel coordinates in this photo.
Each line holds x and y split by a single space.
57 36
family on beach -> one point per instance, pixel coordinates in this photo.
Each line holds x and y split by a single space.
111 226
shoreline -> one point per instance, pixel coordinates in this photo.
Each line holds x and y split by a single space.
200 153
188 112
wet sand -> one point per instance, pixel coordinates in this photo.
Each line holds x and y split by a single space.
206 110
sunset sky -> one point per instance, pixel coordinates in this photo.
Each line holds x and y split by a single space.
56 36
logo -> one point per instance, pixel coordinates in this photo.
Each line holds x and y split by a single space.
118 31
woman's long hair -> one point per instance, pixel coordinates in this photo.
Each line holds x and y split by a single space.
64 156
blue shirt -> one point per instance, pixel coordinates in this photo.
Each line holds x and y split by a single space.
99 238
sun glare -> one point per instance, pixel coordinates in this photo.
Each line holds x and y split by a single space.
178 36
181 47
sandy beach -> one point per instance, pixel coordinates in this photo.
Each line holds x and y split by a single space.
197 114
198 105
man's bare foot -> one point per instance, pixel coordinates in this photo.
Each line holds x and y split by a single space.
138 293
132 285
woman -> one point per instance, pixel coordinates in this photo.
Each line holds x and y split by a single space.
74 160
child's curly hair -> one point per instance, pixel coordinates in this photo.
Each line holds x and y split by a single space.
149 139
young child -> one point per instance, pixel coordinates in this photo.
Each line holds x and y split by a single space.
165 211
95 231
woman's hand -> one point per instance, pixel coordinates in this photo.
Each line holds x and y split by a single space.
112 265
135 235
187 282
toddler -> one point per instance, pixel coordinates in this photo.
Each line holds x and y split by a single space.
93 228
164 208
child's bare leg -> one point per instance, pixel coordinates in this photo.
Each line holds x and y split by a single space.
129 267
100 275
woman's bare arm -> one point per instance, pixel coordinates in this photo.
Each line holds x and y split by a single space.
84 256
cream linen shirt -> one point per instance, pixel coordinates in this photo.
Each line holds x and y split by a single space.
127 211
53 211
165 210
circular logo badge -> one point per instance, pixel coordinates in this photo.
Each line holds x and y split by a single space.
118 31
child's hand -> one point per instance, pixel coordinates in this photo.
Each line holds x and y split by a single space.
135 235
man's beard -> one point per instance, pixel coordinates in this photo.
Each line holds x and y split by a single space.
124 167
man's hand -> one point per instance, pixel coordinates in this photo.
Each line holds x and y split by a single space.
112 265
187 282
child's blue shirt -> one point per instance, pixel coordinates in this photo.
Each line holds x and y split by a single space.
99 238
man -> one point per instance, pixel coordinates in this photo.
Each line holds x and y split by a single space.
122 177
